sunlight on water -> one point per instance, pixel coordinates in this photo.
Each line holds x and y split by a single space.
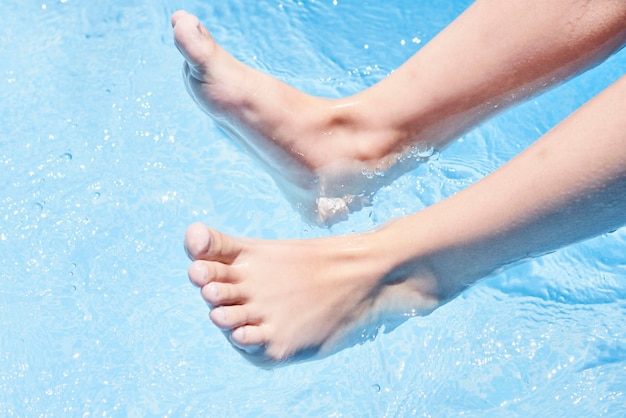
105 160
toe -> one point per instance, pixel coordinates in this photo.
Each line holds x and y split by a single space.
247 336
253 343
219 294
198 274
202 243
177 15
203 272
192 39
197 240
229 317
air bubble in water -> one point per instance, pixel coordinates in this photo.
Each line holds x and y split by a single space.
425 151
422 151
367 173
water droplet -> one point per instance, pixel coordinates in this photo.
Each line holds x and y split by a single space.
66 156
376 388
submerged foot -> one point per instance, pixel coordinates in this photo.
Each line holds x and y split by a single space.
281 301
316 149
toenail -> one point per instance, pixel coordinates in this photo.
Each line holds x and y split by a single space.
213 290
197 240
238 334
198 274
202 270
221 315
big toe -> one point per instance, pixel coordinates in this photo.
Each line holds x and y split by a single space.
177 15
202 243
192 39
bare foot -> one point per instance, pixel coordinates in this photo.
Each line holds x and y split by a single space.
282 301
319 151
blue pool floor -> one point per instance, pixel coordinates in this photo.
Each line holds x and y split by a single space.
104 161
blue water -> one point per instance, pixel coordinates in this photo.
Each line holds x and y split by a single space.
104 161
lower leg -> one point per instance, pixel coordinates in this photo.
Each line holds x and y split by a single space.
282 300
494 55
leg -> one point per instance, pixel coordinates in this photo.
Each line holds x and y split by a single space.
494 55
285 300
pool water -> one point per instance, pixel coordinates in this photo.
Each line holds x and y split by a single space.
104 161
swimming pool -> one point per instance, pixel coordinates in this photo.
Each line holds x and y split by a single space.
105 160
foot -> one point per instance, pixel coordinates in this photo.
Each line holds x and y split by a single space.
282 301
316 149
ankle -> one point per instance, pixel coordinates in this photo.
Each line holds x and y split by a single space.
413 256
361 133
427 249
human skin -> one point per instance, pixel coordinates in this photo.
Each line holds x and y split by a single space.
492 56
280 301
